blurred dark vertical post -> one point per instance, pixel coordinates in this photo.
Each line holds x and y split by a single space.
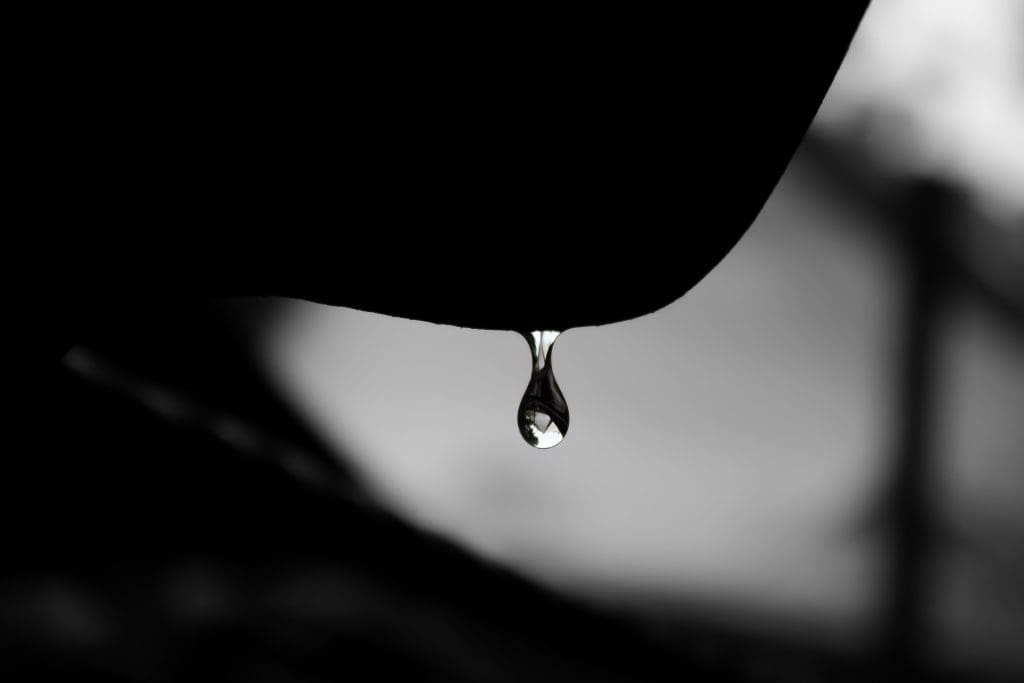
926 242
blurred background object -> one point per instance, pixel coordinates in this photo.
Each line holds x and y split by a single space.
937 88
810 468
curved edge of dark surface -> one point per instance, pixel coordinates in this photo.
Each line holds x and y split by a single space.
407 192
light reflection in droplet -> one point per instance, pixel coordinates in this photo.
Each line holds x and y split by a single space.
543 413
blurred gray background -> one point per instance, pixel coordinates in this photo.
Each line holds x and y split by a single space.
655 502
774 516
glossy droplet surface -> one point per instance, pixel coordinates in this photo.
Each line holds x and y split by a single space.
543 412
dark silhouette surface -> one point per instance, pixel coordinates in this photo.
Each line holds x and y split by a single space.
501 169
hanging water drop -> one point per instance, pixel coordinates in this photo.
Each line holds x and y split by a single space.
543 413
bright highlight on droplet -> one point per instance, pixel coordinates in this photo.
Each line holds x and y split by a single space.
543 413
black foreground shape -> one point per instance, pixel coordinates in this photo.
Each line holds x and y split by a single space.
501 168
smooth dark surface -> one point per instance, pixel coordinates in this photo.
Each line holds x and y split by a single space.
508 169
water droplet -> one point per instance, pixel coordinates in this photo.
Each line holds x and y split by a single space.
543 413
